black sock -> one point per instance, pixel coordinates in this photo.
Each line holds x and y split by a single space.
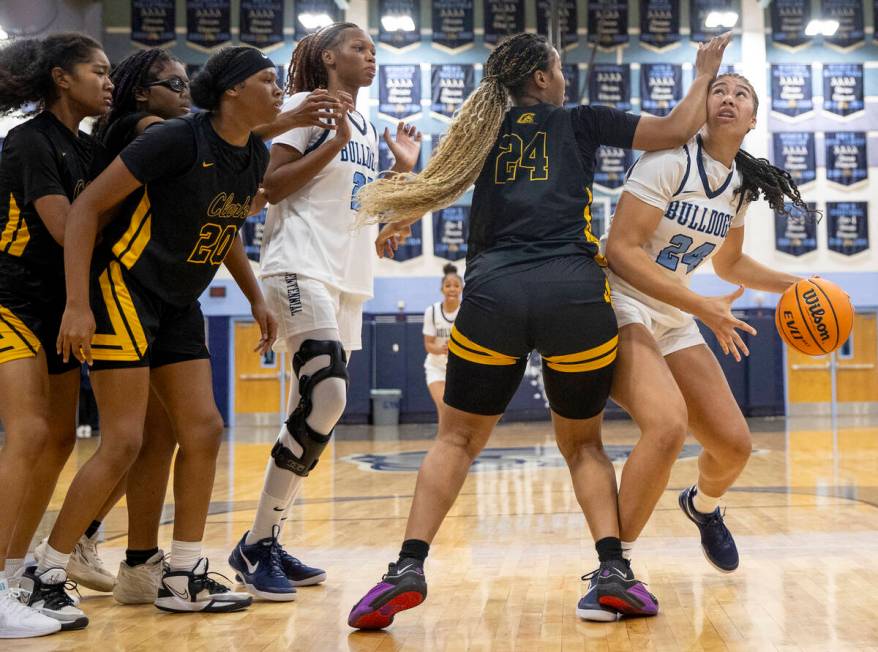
414 549
138 557
90 532
609 549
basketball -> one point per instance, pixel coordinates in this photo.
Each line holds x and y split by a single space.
814 316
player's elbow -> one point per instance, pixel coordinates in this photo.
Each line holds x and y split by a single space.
272 189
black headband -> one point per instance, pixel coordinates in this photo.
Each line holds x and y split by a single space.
248 62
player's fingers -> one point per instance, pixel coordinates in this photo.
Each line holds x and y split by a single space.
744 326
734 296
86 351
739 342
734 352
386 135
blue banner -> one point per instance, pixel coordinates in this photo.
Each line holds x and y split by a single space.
659 23
610 84
450 232
502 18
847 227
208 23
795 153
788 21
413 245
698 11
399 91
567 20
262 23
608 22
453 22
252 232
795 232
661 87
314 8
399 38
152 22
846 161
434 143
572 85
843 88
611 165
849 14
599 217
451 84
791 89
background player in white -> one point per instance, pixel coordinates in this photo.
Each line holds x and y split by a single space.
317 272
438 320
680 207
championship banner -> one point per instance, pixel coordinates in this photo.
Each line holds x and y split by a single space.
208 23
502 18
399 92
453 25
791 89
252 232
698 11
450 231
659 23
843 88
572 87
847 227
314 8
567 20
152 22
611 165
795 153
795 232
608 22
599 209
262 23
610 84
413 245
661 87
398 38
450 85
846 162
789 18
849 14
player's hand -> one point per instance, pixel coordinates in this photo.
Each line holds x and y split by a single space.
259 201
443 350
74 336
710 55
267 326
716 313
389 239
405 146
343 125
319 109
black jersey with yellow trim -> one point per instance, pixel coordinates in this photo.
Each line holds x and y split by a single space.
41 157
173 233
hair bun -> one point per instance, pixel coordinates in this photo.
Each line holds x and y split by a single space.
449 268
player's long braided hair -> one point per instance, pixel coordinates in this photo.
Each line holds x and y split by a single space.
471 135
26 67
759 176
132 73
306 71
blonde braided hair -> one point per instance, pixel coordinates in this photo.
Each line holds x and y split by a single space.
462 152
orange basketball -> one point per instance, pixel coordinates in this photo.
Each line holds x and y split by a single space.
814 316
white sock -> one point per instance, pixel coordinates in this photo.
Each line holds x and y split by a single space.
704 503
627 548
13 566
184 555
53 559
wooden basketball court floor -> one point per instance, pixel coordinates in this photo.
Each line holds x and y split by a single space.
504 572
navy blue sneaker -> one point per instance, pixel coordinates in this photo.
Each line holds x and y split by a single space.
613 590
716 540
258 568
589 608
300 574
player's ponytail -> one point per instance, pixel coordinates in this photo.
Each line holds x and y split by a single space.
759 176
26 67
455 166
306 70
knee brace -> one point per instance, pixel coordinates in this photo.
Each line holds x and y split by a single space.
311 441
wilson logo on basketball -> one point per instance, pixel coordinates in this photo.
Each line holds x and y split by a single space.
814 316
817 313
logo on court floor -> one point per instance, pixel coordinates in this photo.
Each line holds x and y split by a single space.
495 459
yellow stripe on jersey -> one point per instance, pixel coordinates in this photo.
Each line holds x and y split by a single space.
15 236
127 341
589 235
16 340
132 243
465 348
594 358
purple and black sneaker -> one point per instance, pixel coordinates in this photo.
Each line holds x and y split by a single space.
618 590
403 587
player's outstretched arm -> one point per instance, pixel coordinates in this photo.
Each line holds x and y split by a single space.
731 264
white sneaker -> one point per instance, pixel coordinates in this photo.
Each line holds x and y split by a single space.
45 592
19 621
139 584
195 591
85 566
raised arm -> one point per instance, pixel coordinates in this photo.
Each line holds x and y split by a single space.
317 110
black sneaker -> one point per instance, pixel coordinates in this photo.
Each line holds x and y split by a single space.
46 592
402 587
716 540
613 587
195 590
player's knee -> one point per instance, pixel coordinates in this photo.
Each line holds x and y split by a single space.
60 445
118 450
329 399
738 445
466 439
204 438
27 437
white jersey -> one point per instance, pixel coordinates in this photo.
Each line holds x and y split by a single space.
311 232
438 323
696 196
